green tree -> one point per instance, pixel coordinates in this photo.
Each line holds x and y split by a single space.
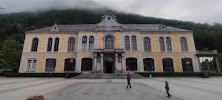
15 29
3 62
218 37
12 51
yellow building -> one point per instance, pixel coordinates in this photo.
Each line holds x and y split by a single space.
109 47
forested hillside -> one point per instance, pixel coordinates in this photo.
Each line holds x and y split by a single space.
13 27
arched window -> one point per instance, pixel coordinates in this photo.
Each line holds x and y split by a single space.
134 45
109 42
187 65
168 65
35 43
168 44
127 43
86 64
91 43
84 43
56 46
183 44
71 44
148 64
162 45
49 48
69 65
147 44
50 64
31 65
131 64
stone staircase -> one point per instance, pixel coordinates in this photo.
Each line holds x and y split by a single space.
107 76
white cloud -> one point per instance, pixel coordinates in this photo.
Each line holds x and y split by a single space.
203 11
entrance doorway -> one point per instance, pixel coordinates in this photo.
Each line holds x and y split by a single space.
108 65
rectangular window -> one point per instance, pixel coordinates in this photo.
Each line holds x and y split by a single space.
31 65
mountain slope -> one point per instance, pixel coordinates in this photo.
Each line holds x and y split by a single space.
206 36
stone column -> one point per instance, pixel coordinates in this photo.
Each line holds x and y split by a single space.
94 65
141 62
123 68
116 63
200 67
78 63
197 64
218 64
101 63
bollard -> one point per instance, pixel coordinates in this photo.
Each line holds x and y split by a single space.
150 75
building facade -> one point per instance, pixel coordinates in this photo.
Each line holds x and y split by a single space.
109 47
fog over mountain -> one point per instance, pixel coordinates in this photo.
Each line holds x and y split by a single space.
199 11
14 6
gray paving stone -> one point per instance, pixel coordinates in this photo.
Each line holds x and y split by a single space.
107 91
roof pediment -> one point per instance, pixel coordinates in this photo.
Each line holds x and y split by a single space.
109 23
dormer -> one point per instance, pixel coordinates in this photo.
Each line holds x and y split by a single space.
55 28
162 27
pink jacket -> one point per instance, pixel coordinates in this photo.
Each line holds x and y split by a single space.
128 76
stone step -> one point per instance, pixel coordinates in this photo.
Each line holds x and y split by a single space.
107 76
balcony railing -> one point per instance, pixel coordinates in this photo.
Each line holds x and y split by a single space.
109 50
207 52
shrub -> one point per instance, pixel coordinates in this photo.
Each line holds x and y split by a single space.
3 73
40 74
171 74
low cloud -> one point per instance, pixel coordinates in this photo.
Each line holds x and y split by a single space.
12 6
201 11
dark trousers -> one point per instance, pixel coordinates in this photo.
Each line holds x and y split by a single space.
167 91
128 83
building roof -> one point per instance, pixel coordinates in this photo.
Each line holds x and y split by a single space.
108 23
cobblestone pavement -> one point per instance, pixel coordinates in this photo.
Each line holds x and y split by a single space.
107 91
186 88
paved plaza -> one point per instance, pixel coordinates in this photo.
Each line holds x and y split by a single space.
181 88
107 91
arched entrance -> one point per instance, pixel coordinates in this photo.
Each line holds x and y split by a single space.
148 64
109 64
86 64
131 64
69 65
187 64
168 65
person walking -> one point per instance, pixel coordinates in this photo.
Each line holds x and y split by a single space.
128 80
167 89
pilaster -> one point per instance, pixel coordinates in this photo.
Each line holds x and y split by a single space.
116 57
123 68
218 64
101 63
94 64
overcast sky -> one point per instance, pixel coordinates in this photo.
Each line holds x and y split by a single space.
202 11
